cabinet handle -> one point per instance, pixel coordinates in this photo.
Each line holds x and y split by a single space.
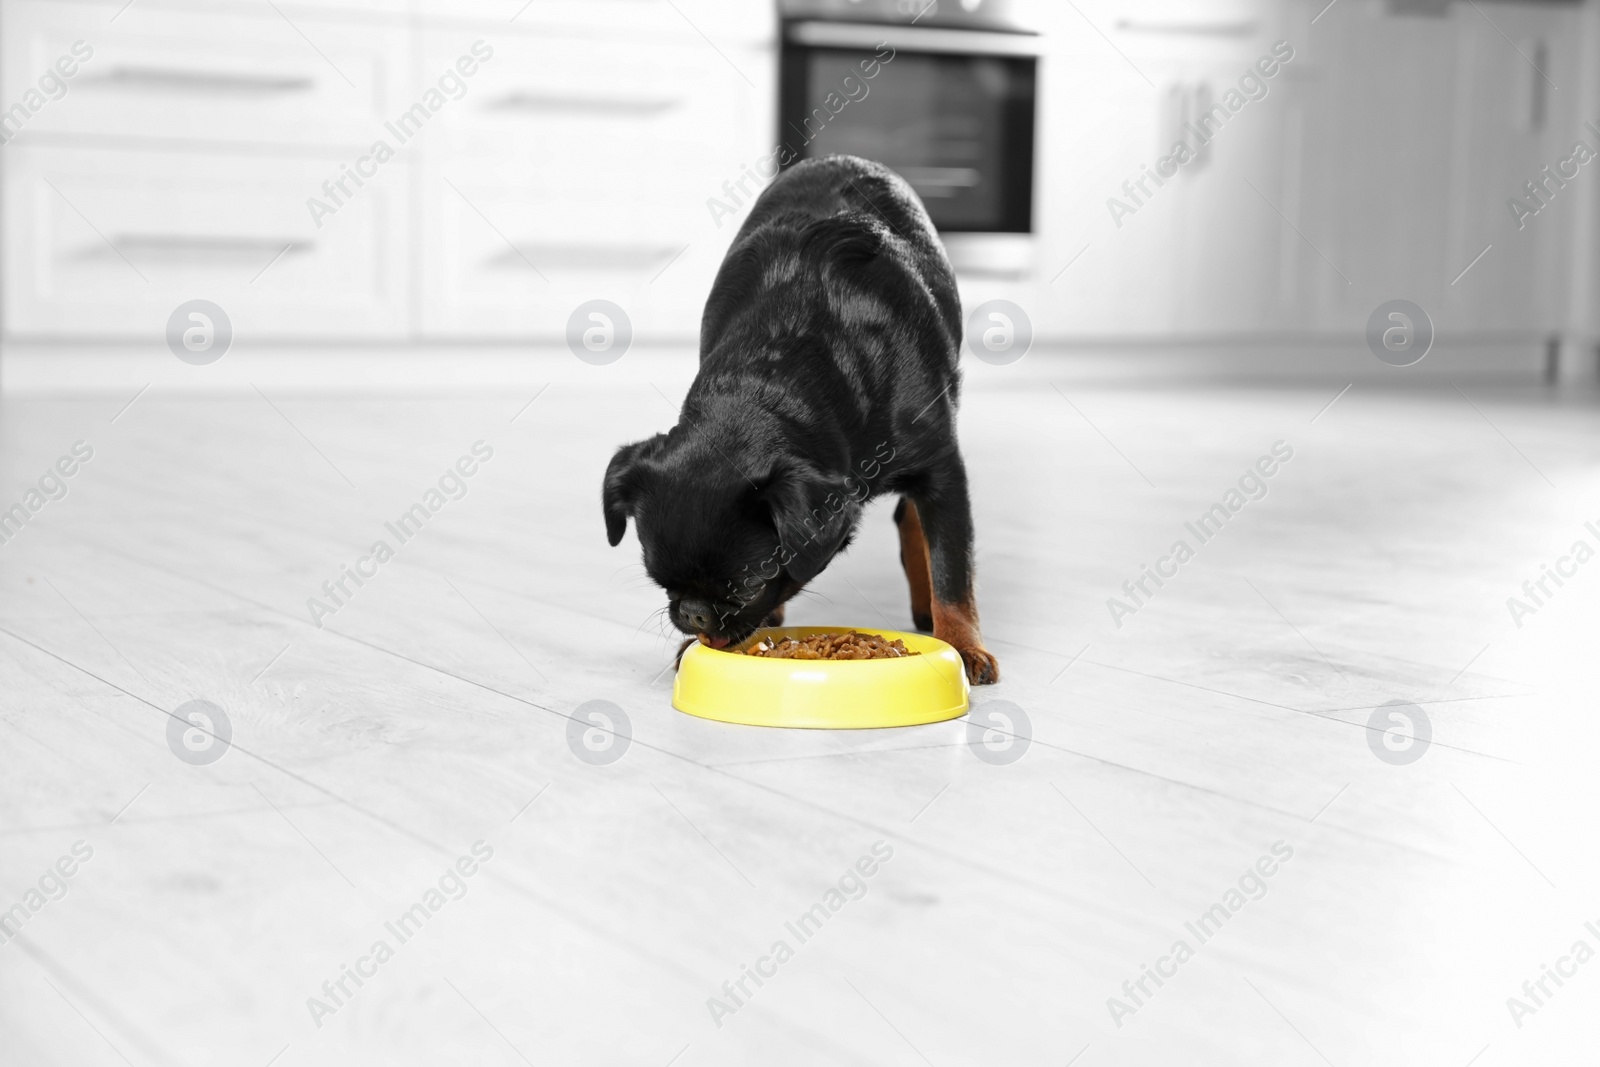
635 257
1537 97
518 100
201 82
1243 28
201 246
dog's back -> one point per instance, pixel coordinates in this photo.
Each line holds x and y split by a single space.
846 237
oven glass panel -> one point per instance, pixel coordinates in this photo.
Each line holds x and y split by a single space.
959 128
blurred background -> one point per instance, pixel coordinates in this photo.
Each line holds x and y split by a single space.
608 149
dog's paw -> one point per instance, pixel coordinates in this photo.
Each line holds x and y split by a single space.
982 667
924 623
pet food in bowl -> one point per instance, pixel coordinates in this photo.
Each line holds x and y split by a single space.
852 644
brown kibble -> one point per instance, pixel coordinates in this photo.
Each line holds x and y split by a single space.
851 645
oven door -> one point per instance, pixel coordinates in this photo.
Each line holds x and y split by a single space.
952 111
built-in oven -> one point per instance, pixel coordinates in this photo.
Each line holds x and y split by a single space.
942 91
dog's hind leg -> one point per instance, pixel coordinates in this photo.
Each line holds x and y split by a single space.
946 514
914 560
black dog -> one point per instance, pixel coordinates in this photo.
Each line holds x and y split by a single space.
828 375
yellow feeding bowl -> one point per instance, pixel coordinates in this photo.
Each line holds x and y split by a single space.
822 694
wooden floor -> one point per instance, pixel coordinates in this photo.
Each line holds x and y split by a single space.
1227 718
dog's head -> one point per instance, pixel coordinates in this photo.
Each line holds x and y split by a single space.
727 545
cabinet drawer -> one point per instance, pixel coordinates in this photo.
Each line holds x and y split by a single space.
611 109
229 75
106 243
595 167
498 263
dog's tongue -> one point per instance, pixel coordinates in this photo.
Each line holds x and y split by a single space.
714 642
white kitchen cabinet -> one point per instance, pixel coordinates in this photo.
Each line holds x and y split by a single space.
1503 144
578 164
1206 235
570 173
107 244
1197 255
209 79
1377 167
1417 131
574 164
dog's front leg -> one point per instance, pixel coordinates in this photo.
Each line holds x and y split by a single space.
914 561
946 514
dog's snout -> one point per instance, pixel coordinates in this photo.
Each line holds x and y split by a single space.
697 615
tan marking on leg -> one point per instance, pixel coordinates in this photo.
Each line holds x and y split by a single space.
957 626
914 560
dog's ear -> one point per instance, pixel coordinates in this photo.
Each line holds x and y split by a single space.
623 483
814 513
